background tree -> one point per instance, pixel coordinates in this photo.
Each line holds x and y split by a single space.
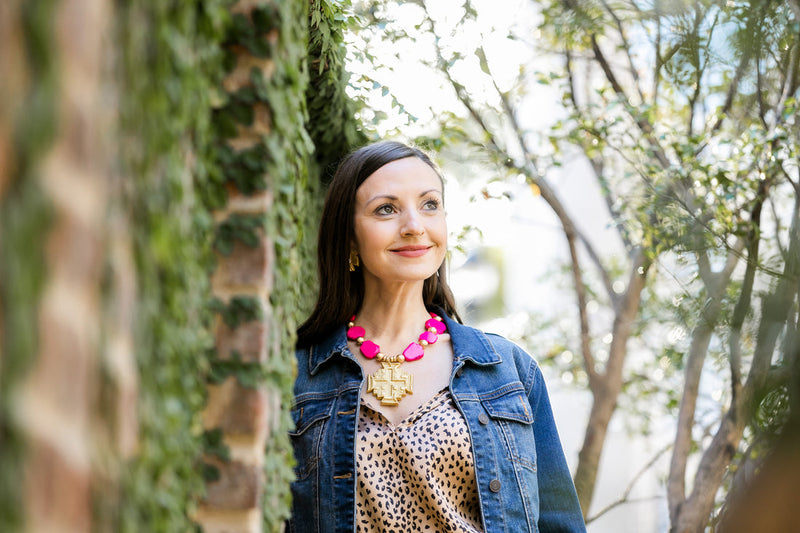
685 115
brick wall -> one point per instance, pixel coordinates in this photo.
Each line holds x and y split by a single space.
56 404
75 405
233 502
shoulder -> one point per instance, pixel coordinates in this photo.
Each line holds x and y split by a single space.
311 358
490 348
502 344
511 352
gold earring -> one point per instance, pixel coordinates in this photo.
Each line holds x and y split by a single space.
352 261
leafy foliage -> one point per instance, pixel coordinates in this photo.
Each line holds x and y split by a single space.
333 130
312 125
239 309
170 65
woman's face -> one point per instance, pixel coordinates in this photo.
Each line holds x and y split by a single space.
400 227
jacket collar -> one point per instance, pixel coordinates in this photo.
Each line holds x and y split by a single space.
334 344
469 344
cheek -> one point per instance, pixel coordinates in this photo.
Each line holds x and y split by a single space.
439 230
369 238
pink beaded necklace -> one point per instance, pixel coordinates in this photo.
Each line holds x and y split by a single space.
390 383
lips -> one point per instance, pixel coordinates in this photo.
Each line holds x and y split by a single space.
411 251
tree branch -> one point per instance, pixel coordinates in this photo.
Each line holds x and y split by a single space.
580 292
762 111
742 308
713 464
698 72
623 499
460 90
789 85
549 195
644 125
737 77
659 59
568 225
795 5
597 166
701 337
627 48
704 268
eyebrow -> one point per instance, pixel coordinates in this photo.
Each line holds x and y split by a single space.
390 197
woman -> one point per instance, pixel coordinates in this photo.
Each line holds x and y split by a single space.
405 419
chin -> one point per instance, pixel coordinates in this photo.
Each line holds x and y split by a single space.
408 275
421 275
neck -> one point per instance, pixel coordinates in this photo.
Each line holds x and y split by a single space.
394 315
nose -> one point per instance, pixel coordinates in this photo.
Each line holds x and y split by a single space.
412 224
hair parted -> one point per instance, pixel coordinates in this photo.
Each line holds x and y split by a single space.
341 292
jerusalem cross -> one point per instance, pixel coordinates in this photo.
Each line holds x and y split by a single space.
390 383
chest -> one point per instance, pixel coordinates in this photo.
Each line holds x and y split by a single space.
396 390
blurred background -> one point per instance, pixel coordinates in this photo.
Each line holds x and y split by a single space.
622 198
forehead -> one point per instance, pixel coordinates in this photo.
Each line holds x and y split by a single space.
409 175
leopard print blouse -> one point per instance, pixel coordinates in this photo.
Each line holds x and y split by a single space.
418 475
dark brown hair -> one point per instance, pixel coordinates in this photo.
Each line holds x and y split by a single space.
341 292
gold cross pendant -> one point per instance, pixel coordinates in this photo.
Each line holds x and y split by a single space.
390 383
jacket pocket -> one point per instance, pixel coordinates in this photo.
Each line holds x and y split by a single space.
512 406
309 417
512 416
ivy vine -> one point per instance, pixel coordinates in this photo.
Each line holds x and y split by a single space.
170 67
287 163
333 130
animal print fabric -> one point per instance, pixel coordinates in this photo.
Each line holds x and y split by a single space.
418 475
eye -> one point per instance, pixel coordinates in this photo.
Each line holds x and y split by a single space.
431 204
385 209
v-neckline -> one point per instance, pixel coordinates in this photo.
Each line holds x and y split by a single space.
435 401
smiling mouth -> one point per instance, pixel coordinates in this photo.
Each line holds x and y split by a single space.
412 251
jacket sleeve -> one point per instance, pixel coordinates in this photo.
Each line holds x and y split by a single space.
559 510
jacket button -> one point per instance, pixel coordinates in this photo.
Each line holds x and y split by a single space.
459 372
483 419
494 485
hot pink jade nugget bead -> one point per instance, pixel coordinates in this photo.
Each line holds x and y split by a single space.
369 349
438 325
355 332
428 337
413 352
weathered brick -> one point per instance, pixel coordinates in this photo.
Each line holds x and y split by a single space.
74 248
57 494
246 267
223 521
124 427
238 487
235 409
61 372
259 202
249 340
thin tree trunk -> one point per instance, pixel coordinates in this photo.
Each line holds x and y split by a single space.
603 405
695 511
607 386
701 337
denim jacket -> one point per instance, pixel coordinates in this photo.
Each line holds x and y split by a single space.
521 473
